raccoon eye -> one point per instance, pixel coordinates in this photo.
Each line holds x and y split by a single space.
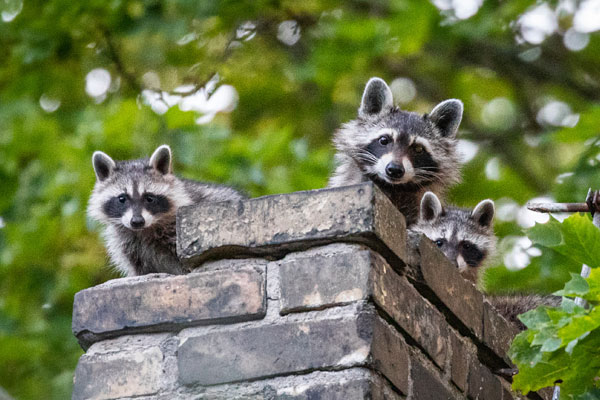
122 198
467 245
418 148
384 140
439 242
148 198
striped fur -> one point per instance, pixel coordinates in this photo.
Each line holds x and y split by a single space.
137 201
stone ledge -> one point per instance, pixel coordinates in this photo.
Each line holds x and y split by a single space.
161 302
353 337
273 226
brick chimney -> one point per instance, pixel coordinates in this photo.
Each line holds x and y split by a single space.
304 295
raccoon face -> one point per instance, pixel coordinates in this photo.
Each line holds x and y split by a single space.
396 147
134 194
465 237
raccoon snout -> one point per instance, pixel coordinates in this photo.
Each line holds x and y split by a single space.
394 171
137 222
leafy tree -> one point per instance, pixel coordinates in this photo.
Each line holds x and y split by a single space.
249 93
561 345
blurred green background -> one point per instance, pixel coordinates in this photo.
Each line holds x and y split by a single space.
249 93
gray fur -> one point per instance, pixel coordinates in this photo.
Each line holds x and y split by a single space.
454 227
510 306
355 163
153 247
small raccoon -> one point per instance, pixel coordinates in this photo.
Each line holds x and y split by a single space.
137 201
466 237
404 153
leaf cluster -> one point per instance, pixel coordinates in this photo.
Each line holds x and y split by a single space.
562 345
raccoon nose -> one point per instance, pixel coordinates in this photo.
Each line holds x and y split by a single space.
394 171
137 221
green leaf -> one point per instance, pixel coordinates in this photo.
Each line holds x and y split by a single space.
577 286
547 235
576 237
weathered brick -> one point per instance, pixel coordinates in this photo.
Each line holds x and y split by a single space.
347 384
273 226
498 333
483 384
161 302
342 339
324 276
460 296
389 354
121 368
462 351
426 383
419 318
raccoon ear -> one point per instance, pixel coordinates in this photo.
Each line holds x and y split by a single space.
447 116
376 98
431 208
483 213
103 165
161 159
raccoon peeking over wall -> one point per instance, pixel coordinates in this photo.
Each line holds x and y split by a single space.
137 201
404 153
465 236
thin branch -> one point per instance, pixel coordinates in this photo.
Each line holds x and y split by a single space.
115 57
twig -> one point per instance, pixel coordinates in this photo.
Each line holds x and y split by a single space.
558 207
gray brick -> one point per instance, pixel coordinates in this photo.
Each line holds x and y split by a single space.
426 383
483 385
324 276
113 375
460 296
351 337
273 226
347 384
251 352
156 302
419 318
498 333
462 351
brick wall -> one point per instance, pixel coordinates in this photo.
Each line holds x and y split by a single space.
297 296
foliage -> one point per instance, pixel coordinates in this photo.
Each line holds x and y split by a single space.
81 76
563 344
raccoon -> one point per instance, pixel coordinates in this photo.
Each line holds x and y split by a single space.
466 237
137 201
404 153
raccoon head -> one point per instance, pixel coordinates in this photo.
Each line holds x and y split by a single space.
466 237
396 147
135 194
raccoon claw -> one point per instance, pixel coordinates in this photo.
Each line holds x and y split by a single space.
507 372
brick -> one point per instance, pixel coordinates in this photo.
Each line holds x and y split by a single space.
419 318
390 354
498 333
460 296
273 226
341 339
483 384
122 372
323 277
462 351
426 383
347 384
162 302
